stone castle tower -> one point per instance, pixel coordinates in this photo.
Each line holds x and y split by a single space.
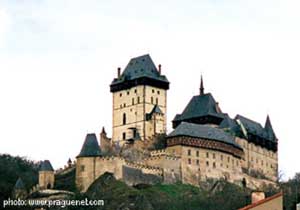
19 190
139 101
46 175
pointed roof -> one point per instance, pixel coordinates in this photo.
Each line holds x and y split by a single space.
69 161
140 70
46 166
269 130
203 131
199 106
19 185
227 122
103 130
155 110
90 147
251 126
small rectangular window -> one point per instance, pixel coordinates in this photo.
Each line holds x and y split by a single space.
214 156
207 163
124 136
82 168
214 165
189 161
197 162
197 153
189 152
207 155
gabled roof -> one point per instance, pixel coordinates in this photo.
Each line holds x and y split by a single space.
199 106
90 147
19 185
203 131
46 166
155 110
138 68
229 123
269 130
252 127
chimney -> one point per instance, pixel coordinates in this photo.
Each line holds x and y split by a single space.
159 68
257 196
119 72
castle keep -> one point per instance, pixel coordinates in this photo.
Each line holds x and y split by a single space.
206 143
139 101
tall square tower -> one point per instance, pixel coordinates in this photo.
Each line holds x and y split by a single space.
139 101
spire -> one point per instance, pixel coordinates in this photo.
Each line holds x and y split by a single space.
269 129
103 131
201 87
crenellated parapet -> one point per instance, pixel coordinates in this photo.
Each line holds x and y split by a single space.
145 168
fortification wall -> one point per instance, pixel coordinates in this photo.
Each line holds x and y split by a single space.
259 159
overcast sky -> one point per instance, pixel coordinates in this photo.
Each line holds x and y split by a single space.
58 57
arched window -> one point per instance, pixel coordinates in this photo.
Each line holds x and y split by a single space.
124 118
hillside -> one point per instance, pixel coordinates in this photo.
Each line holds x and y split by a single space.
11 168
117 195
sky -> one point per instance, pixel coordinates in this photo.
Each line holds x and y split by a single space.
58 57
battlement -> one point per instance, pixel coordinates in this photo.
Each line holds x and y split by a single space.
158 152
145 168
111 158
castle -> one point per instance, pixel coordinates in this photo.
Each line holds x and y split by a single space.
205 142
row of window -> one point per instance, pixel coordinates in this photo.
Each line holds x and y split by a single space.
197 162
133 102
258 149
261 162
135 91
189 153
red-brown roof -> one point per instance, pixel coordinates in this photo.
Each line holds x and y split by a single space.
261 201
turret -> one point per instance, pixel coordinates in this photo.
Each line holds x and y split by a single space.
86 162
46 175
19 191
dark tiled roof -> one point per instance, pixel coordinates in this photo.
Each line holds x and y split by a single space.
156 110
203 131
140 67
199 106
251 126
90 147
269 130
231 124
46 166
19 185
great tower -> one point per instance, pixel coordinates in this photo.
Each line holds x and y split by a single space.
139 101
